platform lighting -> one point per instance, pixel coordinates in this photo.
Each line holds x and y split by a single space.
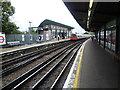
88 19
87 24
89 12
91 3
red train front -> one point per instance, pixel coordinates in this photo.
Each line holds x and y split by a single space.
73 37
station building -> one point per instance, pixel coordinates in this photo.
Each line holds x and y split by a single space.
102 18
54 29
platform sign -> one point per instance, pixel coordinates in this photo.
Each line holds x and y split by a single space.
2 39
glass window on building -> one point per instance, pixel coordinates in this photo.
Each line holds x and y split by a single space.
102 37
53 32
111 35
108 39
52 26
58 32
70 32
65 34
113 39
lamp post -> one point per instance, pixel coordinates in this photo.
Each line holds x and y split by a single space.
30 32
30 27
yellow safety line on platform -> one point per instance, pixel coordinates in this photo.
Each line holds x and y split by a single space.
75 85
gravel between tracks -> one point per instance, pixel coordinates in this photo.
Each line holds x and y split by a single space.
12 76
32 81
51 78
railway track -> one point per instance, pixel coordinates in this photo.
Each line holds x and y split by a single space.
19 53
18 62
18 69
35 78
57 70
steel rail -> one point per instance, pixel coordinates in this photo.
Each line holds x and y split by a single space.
36 86
63 70
9 53
28 61
31 54
23 51
22 77
32 75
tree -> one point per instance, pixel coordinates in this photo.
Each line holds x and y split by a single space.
33 31
6 11
86 33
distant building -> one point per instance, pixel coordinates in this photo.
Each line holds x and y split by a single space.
54 29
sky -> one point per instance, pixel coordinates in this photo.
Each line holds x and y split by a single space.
37 11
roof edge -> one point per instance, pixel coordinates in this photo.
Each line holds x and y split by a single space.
53 22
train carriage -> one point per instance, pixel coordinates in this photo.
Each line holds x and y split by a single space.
73 37
77 37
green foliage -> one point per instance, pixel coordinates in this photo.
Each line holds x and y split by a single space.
17 32
6 11
8 27
26 32
33 31
86 33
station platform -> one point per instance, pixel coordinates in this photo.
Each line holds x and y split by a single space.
7 50
93 68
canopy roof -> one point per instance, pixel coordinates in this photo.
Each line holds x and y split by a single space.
100 13
47 22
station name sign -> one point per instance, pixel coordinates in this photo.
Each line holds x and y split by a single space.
2 39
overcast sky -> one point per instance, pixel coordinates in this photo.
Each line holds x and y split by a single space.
38 10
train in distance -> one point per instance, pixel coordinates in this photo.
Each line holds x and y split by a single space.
78 36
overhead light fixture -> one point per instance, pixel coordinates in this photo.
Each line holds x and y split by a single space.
89 11
87 24
91 3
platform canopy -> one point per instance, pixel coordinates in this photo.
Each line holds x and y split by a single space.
48 22
92 15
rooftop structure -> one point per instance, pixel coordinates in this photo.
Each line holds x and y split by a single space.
54 29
